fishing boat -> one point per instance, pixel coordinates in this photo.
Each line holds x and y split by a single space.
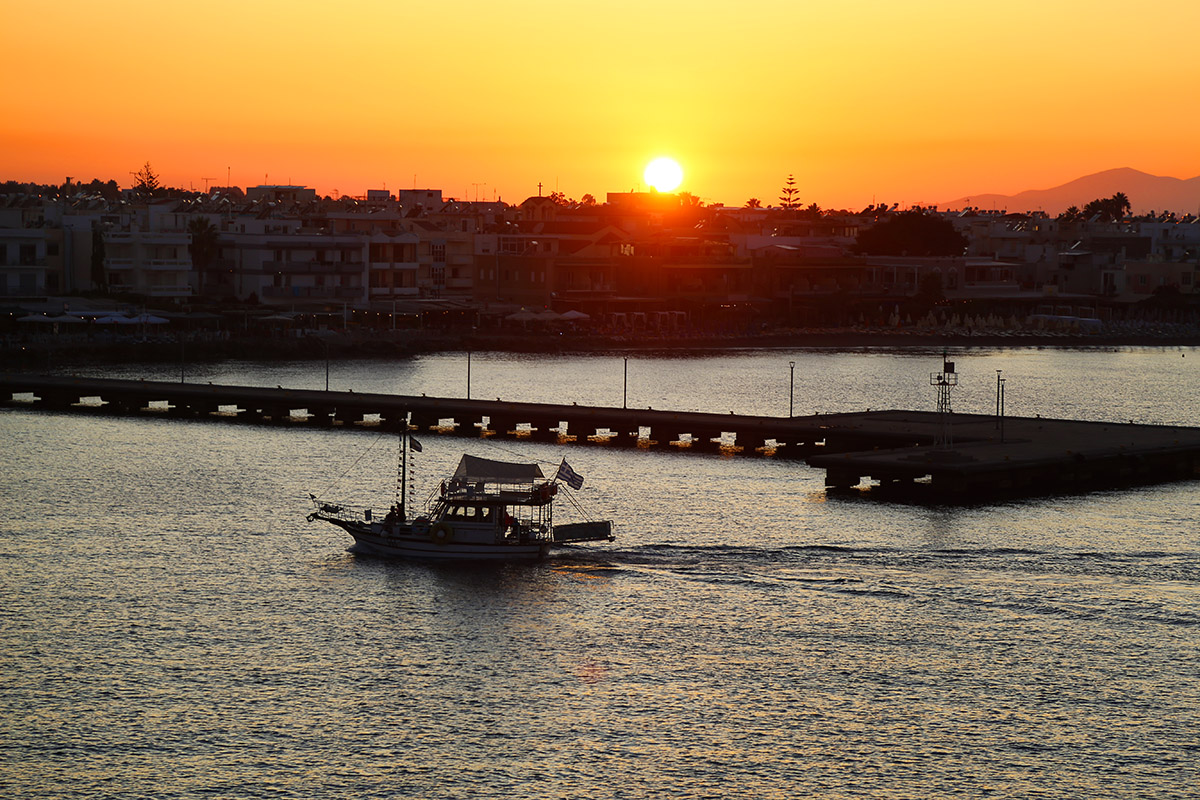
486 510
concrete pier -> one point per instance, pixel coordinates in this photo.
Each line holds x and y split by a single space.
893 451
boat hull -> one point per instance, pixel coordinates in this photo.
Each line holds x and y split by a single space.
400 547
403 544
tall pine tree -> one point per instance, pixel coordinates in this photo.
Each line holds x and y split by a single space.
789 198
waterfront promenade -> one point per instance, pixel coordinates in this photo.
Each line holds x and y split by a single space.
954 458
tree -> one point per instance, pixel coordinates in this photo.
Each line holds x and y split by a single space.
929 289
587 200
203 248
1120 204
1108 209
98 256
789 197
912 233
812 212
1072 214
753 202
146 181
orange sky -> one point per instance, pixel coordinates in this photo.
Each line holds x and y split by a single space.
916 102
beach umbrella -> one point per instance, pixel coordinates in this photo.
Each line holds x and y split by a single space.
522 316
575 316
114 319
67 318
547 316
34 318
149 319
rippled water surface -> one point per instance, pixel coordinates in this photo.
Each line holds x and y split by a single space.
171 627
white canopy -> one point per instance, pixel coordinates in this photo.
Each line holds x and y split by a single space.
472 469
149 319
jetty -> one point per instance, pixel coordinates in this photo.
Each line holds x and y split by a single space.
910 455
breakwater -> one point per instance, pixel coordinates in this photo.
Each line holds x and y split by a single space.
923 455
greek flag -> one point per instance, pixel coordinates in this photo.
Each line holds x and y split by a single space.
569 476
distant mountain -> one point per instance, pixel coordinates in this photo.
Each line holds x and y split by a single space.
1145 193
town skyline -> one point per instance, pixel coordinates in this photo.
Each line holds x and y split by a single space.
917 105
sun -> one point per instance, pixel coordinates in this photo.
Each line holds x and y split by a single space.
664 174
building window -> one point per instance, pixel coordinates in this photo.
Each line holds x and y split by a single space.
438 251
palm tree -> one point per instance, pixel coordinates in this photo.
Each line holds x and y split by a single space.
1120 205
203 248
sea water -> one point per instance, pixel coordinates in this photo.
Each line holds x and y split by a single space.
172 627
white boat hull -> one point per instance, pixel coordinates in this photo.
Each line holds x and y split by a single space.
417 548
376 539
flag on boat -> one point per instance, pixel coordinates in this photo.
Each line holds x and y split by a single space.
569 476
414 444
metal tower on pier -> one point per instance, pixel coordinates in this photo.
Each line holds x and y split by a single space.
945 380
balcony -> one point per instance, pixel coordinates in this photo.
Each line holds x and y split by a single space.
403 266
310 267
311 292
167 264
389 293
168 291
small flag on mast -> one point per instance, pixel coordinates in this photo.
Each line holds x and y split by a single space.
569 476
414 444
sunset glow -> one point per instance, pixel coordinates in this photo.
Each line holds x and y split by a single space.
664 174
919 102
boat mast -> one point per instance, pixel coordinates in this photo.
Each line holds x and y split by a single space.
403 476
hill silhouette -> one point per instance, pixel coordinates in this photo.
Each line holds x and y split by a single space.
1146 193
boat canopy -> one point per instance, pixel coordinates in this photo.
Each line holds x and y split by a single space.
472 469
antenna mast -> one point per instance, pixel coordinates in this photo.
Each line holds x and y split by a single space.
945 380
403 476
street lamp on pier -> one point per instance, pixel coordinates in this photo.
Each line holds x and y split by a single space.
792 388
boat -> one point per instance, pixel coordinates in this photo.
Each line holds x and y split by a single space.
486 510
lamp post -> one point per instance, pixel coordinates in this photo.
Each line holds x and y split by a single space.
792 388
468 374
625 389
1000 400
998 381
324 344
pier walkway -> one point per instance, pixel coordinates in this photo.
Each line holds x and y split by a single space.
898 450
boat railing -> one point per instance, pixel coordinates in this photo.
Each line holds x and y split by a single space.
343 512
484 492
